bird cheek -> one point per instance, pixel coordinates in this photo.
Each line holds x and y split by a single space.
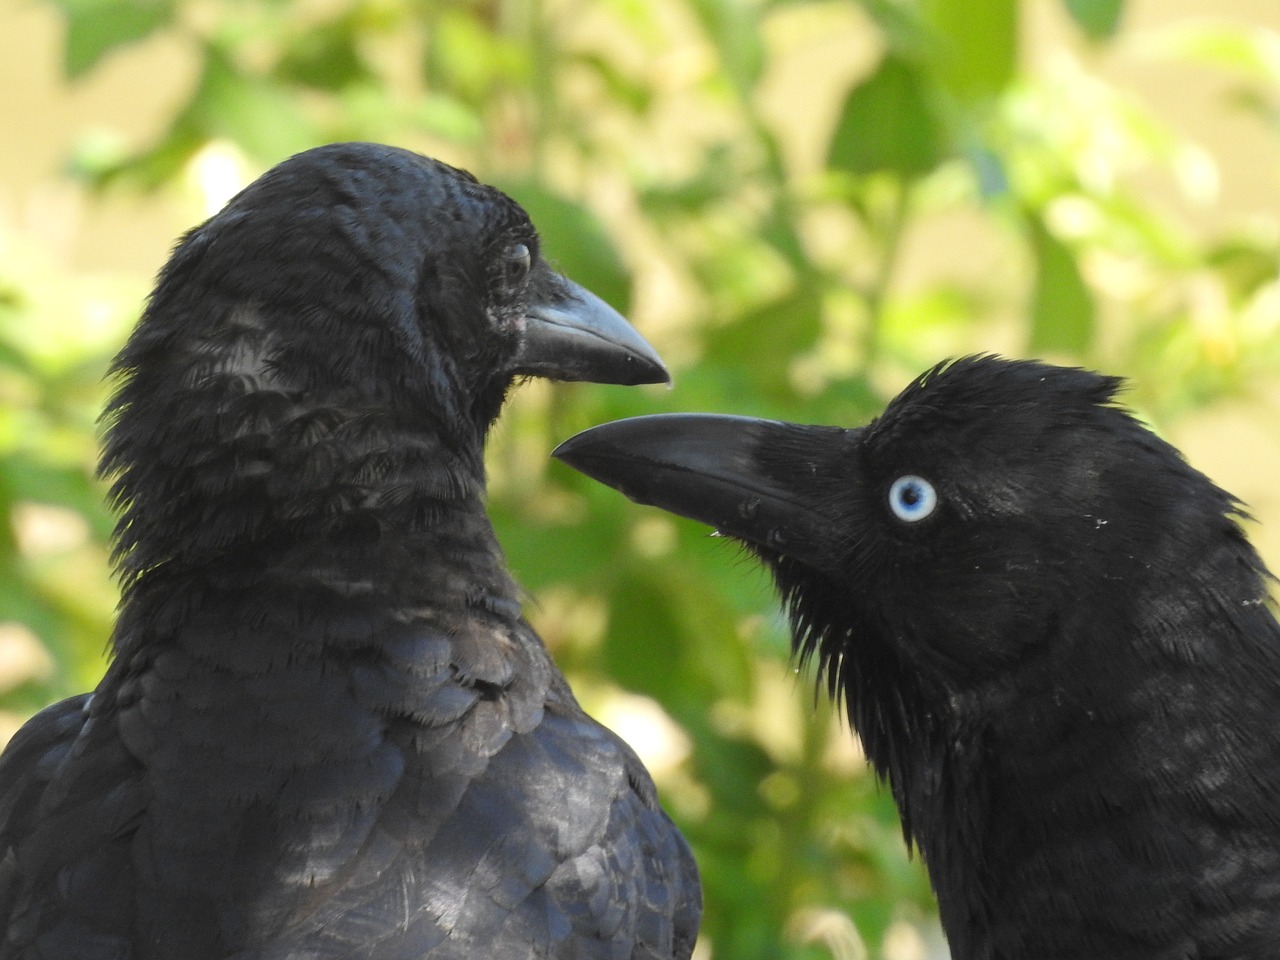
508 323
983 623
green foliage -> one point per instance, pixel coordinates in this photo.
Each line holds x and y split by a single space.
55 588
641 137
975 57
96 27
1099 19
888 124
1061 309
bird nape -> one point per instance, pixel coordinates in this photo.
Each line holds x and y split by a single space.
1050 633
326 730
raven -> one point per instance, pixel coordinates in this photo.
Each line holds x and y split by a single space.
1050 633
326 730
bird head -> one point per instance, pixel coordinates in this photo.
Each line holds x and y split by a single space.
341 335
941 544
375 272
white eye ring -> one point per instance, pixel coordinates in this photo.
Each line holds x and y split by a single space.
912 498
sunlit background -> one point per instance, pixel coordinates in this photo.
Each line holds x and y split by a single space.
802 204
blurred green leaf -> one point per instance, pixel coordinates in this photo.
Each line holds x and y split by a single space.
765 341
650 625
977 54
889 123
1245 264
623 90
1062 308
466 55
1098 19
96 27
546 554
254 112
733 28
900 25
449 117
326 58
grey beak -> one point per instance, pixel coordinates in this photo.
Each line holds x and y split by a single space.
571 334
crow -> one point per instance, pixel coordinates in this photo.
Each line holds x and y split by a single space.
326 730
1049 632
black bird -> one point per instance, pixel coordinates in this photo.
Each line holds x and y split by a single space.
1050 633
326 731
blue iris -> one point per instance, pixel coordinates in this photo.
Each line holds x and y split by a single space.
912 498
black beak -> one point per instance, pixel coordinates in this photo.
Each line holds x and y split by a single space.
774 485
571 334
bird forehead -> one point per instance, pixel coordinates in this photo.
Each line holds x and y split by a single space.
459 199
1002 413
985 386
343 184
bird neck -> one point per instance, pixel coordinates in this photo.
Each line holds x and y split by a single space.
269 501
1116 771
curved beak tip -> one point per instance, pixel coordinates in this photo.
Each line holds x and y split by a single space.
570 451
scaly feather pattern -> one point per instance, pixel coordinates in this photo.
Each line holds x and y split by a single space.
327 730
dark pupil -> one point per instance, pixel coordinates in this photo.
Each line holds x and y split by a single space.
911 495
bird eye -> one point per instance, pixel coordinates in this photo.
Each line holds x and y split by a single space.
912 498
519 261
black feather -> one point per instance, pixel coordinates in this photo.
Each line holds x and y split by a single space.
326 730
1068 671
